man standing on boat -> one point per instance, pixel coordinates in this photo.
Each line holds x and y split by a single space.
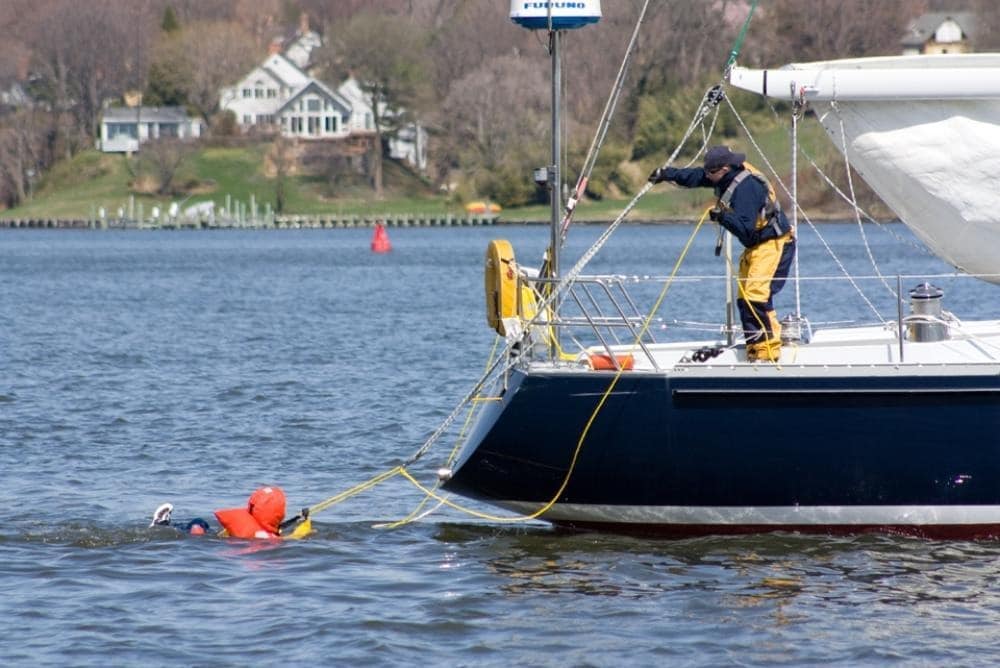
748 208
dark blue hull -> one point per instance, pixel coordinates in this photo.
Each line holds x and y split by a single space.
724 454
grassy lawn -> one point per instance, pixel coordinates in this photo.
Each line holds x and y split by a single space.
77 188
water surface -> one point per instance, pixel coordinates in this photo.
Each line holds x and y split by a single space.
191 367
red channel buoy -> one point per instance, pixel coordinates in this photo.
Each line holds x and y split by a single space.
380 241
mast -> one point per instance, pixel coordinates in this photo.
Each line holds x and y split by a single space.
554 17
555 180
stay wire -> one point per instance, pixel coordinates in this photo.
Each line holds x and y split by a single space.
544 508
777 178
854 200
602 128
709 101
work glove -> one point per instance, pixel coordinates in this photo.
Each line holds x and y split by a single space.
716 215
662 174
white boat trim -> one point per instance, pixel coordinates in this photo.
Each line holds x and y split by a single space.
763 516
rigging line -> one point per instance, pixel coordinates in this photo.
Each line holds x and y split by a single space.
854 199
567 281
797 107
470 396
708 101
805 217
415 515
586 430
602 128
840 193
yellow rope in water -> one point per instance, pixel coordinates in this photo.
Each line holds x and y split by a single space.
415 513
357 489
583 435
433 494
385 475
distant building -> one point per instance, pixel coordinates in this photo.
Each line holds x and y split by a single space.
299 46
123 129
314 112
939 32
13 95
14 79
279 96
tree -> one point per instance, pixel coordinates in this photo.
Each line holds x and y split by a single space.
384 55
193 64
170 23
493 142
164 158
24 153
824 29
167 84
281 156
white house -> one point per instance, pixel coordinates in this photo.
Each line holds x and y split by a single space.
278 95
257 97
939 32
315 112
124 128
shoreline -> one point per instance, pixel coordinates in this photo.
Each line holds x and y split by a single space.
336 222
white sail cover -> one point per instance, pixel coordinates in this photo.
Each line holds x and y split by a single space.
923 131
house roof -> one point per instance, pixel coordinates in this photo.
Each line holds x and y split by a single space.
923 27
146 115
324 92
281 69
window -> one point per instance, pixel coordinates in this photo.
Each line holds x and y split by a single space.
296 125
332 124
122 130
313 103
168 129
247 92
247 119
258 92
369 124
313 125
272 93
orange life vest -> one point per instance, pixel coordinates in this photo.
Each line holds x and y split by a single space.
260 519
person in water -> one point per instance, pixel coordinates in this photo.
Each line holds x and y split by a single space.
162 518
747 208
261 518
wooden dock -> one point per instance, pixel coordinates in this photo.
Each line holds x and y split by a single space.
314 222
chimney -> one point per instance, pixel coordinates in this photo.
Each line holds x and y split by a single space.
303 23
275 47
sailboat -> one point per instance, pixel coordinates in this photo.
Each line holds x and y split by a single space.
903 417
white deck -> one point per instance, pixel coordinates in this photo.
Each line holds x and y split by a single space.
972 347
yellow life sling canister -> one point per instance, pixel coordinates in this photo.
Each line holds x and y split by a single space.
500 279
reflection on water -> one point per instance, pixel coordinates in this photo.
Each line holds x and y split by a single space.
776 570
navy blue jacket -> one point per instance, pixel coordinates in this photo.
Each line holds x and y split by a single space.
749 198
